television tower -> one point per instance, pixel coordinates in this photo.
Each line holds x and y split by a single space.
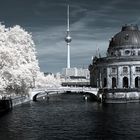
68 38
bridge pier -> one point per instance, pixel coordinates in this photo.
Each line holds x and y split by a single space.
85 97
101 98
48 96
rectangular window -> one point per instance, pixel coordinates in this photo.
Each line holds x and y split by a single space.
113 70
133 52
125 70
138 52
104 70
137 69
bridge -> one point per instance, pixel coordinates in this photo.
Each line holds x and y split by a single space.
37 93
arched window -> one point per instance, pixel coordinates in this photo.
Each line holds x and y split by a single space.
105 82
137 82
113 82
125 82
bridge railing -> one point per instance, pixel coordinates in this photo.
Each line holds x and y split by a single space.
65 89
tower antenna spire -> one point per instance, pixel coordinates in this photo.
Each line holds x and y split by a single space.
68 19
68 37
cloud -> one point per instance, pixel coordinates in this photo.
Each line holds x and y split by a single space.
92 24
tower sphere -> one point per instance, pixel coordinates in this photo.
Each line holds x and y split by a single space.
68 39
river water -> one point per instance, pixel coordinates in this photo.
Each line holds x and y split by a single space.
69 117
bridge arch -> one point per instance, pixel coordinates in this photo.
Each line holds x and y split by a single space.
34 98
90 92
91 95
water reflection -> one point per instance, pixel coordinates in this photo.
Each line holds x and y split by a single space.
70 117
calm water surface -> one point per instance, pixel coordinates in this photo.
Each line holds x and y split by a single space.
69 117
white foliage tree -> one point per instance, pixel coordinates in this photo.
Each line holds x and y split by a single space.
47 81
18 63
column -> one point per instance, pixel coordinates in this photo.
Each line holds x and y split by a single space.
100 78
109 83
132 84
130 77
119 85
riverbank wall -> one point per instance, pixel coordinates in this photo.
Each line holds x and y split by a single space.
17 100
120 95
5 105
7 102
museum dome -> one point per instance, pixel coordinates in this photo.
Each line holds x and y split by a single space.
129 36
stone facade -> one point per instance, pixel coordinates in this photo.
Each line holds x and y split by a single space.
118 74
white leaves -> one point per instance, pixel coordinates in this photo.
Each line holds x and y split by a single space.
46 81
19 68
18 64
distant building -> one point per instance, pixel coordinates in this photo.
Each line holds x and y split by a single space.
75 77
48 73
58 75
75 72
118 74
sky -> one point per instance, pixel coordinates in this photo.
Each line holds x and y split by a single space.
92 24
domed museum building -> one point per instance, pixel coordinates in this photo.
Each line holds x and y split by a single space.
118 74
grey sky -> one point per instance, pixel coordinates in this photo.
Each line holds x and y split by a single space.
92 24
